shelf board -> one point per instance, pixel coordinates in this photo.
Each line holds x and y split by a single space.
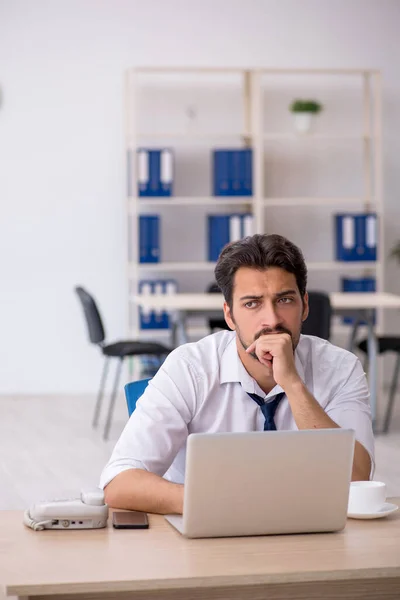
192 201
272 70
195 135
315 137
178 69
272 135
314 71
207 266
243 200
336 265
304 201
177 266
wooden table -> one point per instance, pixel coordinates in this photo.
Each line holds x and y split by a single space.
363 561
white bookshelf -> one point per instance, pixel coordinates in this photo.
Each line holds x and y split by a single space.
206 135
252 131
187 201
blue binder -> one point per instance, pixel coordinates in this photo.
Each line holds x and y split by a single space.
370 230
218 235
143 171
247 224
166 172
356 237
160 317
149 238
154 319
236 172
241 172
221 173
155 172
146 316
223 229
247 161
170 286
143 239
232 172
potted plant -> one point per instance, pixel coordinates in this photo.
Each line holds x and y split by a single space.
304 111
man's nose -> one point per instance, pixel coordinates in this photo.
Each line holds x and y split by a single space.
270 318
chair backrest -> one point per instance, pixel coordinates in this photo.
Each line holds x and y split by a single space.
133 391
92 316
213 288
217 322
318 321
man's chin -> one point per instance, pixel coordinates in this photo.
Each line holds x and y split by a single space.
267 364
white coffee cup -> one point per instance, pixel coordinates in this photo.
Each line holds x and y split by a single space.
366 497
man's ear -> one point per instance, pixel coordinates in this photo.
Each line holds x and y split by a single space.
305 307
228 317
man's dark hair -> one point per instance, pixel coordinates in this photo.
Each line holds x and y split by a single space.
259 251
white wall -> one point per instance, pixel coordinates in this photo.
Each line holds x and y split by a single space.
62 179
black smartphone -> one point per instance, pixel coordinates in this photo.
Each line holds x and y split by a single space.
131 519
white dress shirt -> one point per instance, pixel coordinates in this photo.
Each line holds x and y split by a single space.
201 388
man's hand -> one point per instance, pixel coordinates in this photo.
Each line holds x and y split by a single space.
275 350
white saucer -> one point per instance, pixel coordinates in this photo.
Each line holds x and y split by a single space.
387 509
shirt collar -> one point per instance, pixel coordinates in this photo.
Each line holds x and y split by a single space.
232 370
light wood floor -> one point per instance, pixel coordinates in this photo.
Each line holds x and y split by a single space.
49 450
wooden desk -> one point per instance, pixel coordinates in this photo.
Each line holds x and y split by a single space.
363 561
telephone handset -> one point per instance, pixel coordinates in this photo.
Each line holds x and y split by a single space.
86 512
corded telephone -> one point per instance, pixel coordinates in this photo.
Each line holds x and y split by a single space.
86 512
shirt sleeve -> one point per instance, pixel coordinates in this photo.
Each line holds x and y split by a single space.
158 427
350 406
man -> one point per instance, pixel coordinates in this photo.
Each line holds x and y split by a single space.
261 375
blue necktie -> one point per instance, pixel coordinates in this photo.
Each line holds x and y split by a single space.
268 409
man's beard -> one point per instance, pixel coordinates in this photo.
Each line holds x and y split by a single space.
266 331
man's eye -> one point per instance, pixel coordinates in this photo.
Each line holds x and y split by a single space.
285 300
251 304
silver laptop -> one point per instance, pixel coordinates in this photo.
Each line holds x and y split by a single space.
266 483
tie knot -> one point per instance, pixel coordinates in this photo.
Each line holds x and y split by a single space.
268 409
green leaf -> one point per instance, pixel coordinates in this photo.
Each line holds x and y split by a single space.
311 106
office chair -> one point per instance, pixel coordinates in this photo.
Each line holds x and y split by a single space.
387 343
318 322
216 322
120 350
133 391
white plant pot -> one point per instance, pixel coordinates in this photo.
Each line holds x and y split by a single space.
303 121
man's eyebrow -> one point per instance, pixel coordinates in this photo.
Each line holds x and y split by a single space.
285 293
260 296
251 297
